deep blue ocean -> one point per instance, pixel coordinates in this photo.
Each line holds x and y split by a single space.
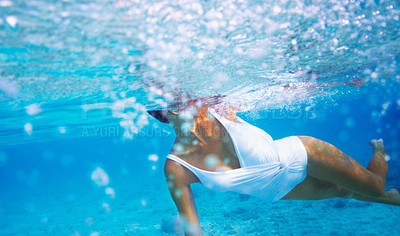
80 156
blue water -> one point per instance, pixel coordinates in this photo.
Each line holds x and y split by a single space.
79 155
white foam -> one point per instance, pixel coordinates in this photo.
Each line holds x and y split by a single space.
9 88
277 9
33 109
64 14
12 21
5 3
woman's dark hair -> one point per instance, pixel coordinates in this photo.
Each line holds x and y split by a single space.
160 115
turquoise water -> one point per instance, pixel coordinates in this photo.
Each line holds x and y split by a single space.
80 156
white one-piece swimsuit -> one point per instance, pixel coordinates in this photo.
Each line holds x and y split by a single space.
269 169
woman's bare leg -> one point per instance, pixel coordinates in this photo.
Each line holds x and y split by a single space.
391 197
179 179
379 166
331 173
378 163
316 189
328 163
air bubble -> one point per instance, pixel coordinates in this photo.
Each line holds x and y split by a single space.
385 107
12 21
344 136
200 55
89 221
28 128
178 193
49 155
9 88
238 50
5 3
110 192
178 148
227 161
350 122
62 130
211 161
66 160
3 158
240 72
100 177
187 114
186 127
106 206
153 157
277 9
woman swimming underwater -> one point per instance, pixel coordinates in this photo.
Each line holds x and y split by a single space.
216 148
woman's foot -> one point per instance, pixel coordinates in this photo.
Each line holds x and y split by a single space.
378 164
391 197
394 195
379 148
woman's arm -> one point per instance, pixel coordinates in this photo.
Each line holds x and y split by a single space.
179 180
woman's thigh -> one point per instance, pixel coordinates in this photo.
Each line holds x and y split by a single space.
315 189
328 163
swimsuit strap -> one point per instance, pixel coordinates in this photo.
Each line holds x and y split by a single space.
182 162
207 178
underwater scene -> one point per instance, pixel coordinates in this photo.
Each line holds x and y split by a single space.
80 155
